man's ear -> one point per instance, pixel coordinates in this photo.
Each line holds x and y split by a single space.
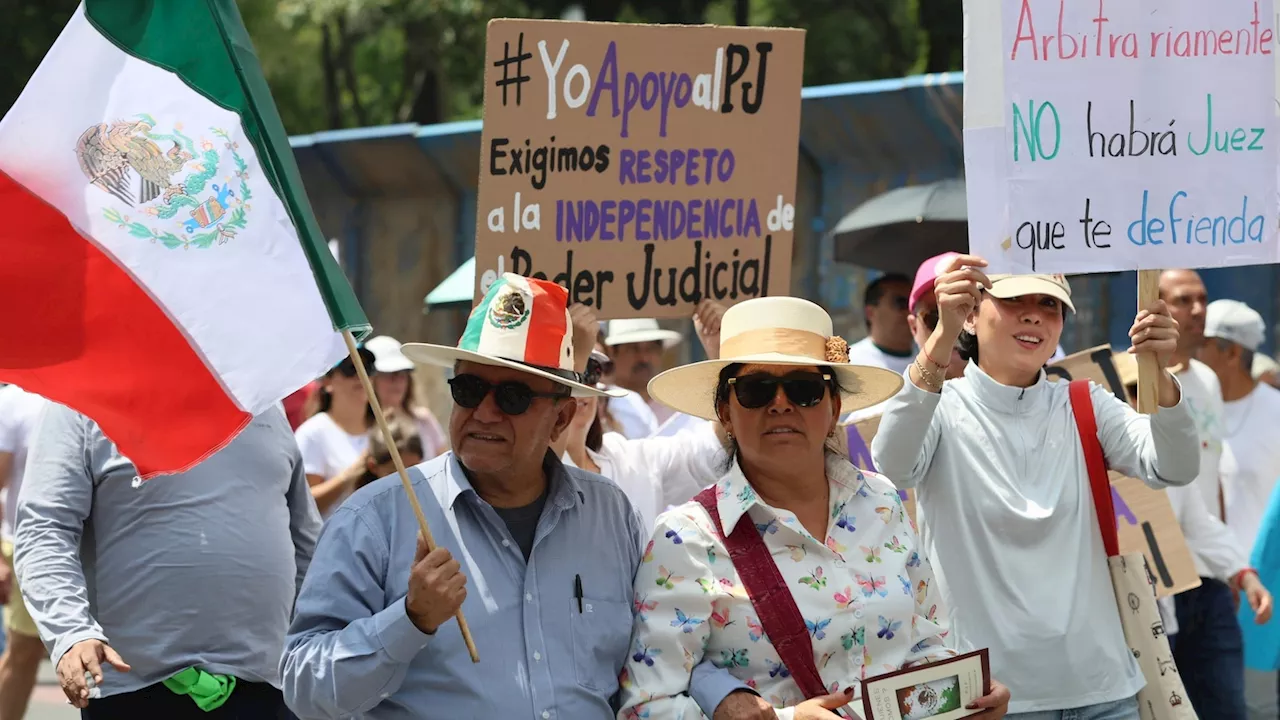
565 410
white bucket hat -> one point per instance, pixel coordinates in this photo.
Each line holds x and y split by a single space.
774 331
640 330
521 323
387 356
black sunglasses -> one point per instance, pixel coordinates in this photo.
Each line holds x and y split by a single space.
805 389
930 319
512 398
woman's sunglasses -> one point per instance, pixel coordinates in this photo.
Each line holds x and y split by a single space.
512 398
805 389
930 319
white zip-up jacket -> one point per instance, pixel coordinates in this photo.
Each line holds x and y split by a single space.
1007 517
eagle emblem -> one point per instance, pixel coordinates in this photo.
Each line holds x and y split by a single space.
508 310
167 177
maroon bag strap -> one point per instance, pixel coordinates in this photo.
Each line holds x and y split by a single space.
1096 462
770 596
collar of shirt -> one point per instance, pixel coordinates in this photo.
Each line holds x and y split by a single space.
564 490
1005 398
735 496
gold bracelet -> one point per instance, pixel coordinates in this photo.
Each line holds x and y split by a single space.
933 381
935 363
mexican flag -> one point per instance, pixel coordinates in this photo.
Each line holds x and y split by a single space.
159 261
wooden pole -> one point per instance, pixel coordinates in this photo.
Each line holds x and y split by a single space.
404 475
1148 368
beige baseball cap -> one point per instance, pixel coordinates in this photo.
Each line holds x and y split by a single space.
1012 286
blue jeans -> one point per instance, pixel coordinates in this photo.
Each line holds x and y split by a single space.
1126 709
1209 651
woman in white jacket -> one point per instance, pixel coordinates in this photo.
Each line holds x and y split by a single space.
1003 492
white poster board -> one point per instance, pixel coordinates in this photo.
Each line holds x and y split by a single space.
1107 135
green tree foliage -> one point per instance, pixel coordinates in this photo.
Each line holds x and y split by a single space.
350 63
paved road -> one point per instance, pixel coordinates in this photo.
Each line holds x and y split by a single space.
48 702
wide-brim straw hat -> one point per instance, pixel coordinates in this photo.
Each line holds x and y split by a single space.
522 323
774 331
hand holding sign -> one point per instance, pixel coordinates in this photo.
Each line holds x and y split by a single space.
706 321
959 290
1155 331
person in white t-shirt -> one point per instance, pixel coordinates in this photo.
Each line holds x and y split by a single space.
19 414
334 440
1251 414
1208 645
393 382
1003 496
888 343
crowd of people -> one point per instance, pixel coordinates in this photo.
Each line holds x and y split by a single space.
633 541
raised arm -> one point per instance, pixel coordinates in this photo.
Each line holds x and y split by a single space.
908 436
1161 449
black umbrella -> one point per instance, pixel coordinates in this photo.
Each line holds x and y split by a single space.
900 229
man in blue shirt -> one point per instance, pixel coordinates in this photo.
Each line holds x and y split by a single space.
539 557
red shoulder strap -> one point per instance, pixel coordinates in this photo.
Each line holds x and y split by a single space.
779 616
1096 462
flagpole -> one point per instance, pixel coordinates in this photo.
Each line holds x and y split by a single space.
404 474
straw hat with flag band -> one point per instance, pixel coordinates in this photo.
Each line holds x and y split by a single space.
523 324
774 331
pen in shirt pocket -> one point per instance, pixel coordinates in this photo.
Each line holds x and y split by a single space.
577 591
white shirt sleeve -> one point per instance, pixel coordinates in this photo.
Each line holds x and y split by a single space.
908 435
1160 450
1211 540
683 464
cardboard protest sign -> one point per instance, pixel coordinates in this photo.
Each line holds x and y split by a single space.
1144 517
1110 135
643 167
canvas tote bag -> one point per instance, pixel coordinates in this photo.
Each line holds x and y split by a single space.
1164 697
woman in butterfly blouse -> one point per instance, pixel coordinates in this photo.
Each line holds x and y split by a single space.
840 538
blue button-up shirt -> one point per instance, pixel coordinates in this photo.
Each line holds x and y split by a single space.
352 650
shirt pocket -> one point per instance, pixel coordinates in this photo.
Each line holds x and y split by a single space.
601 637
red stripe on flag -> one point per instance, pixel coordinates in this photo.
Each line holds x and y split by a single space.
547 324
85 334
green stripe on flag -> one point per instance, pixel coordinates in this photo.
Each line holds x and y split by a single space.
205 43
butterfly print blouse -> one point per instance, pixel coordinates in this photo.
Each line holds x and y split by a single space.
866 594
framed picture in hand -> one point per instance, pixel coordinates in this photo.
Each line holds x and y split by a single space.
941 690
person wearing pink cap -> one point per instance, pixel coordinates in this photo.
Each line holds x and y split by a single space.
922 309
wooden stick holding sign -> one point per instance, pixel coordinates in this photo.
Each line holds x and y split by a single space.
404 475
1148 366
